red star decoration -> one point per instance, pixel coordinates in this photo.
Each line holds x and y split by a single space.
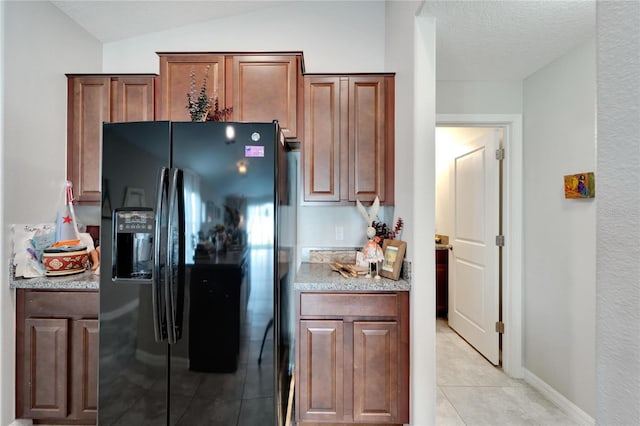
66 219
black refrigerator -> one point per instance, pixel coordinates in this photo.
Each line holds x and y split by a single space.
197 249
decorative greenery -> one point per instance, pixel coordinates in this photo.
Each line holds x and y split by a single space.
383 232
199 104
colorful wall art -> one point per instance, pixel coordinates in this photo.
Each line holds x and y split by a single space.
581 185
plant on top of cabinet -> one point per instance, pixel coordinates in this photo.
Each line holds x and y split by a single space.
257 87
201 106
175 81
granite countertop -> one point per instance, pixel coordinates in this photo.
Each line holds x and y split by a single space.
320 277
84 281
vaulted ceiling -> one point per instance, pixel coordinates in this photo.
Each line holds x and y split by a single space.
476 39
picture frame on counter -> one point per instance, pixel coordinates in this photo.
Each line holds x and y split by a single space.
391 265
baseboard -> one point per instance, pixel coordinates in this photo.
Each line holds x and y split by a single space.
572 410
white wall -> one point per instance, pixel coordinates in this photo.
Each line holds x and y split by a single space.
410 52
618 214
7 322
559 234
35 152
339 36
40 45
478 97
423 303
399 57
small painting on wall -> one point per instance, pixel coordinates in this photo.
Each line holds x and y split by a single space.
581 185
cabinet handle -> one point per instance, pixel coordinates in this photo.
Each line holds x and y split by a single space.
174 278
156 293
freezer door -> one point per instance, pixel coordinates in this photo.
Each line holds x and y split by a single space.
132 365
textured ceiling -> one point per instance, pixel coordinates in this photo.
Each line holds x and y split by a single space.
505 40
476 39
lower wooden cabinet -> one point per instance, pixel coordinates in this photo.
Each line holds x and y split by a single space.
352 363
57 355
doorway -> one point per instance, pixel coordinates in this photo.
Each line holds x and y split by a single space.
510 129
468 216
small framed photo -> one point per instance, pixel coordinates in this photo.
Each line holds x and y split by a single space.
393 255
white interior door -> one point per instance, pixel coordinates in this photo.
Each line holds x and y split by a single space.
473 277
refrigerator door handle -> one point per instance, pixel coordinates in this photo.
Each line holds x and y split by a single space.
156 290
174 270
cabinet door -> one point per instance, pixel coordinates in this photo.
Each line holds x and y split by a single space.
88 107
367 137
375 372
322 148
321 370
45 368
133 99
265 88
84 374
176 82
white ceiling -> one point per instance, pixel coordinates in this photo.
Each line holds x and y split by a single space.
476 39
507 39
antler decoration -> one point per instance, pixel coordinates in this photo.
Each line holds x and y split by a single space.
369 216
373 210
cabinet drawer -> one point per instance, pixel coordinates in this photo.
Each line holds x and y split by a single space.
62 304
348 305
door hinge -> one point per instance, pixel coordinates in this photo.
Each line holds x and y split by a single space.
500 327
500 154
500 240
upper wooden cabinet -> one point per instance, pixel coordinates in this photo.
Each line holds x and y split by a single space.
261 87
322 147
175 82
132 98
92 100
348 148
265 88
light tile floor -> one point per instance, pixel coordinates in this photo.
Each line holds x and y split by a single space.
471 391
